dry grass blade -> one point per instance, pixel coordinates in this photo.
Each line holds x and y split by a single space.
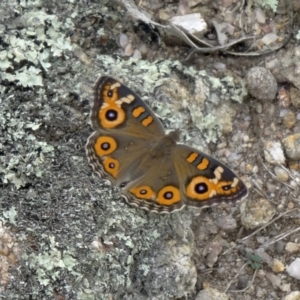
247 287
258 230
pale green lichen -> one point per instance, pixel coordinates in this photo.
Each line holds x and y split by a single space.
128 235
49 40
49 264
10 215
147 76
268 3
26 76
28 163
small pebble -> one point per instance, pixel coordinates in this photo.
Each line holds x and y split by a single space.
295 97
255 169
226 223
295 295
272 64
274 153
192 23
292 248
212 251
143 49
249 168
294 269
128 51
274 279
284 98
283 112
271 187
277 266
211 294
269 38
289 120
123 40
292 146
260 16
137 54
281 174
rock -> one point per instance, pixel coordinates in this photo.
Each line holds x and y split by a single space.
277 266
289 119
211 294
212 251
292 248
295 97
191 23
284 98
281 174
256 213
226 223
292 296
287 69
292 146
273 153
294 269
261 83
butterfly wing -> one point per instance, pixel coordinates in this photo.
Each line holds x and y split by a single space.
129 147
146 175
114 156
166 183
155 185
119 109
205 180
125 128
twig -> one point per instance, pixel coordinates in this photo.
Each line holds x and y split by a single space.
266 225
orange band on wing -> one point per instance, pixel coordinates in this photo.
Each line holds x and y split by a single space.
147 121
192 157
204 164
138 111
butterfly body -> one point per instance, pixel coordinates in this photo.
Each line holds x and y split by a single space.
130 148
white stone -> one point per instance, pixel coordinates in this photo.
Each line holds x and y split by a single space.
192 23
294 269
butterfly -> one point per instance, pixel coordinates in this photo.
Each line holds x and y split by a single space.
130 148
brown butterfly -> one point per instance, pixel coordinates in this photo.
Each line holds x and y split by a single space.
130 148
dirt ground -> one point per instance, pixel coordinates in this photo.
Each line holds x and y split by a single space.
232 90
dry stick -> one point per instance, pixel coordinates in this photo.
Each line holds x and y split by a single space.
259 189
230 282
279 237
247 287
288 171
256 231
274 176
137 13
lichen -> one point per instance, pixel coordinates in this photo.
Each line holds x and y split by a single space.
41 38
79 236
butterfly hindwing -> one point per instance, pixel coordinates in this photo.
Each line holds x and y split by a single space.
206 181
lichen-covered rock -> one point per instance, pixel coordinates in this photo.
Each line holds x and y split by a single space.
261 83
256 213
